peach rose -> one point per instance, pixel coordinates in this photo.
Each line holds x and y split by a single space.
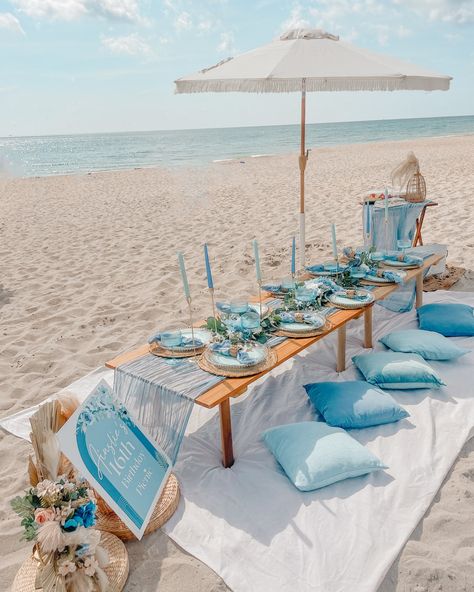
43 515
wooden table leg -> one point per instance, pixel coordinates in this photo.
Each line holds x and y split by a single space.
419 290
341 349
226 434
368 342
418 239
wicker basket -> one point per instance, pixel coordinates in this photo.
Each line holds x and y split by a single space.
166 506
117 570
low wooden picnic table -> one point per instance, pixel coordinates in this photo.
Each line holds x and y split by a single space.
224 391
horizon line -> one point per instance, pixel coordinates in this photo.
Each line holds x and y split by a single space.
11 136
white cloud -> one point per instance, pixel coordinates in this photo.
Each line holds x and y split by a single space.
70 10
10 22
449 11
226 43
183 21
131 45
205 25
296 20
402 31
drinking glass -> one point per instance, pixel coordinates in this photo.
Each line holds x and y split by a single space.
403 244
250 320
171 338
238 306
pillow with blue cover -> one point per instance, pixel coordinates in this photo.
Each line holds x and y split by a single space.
451 320
428 344
354 404
314 455
395 370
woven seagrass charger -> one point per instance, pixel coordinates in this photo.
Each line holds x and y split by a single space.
117 570
166 506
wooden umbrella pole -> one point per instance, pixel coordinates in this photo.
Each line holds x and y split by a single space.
302 163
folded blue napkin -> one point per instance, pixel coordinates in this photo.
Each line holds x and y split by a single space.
360 298
409 259
315 268
326 282
189 341
223 348
391 276
184 340
289 317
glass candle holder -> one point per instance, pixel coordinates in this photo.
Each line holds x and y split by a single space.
250 320
238 306
288 283
305 295
171 338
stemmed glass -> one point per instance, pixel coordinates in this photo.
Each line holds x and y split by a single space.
403 244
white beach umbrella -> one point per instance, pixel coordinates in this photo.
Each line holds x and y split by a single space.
310 60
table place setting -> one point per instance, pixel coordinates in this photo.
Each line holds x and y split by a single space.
177 343
351 298
234 358
403 260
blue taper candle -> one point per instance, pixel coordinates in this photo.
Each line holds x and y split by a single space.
386 204
257 260
293 256
210 283
184 277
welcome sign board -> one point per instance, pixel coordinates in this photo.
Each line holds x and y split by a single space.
117 458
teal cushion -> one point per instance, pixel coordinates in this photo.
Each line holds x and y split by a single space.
397 371
354 404
428 344
314 455
451 320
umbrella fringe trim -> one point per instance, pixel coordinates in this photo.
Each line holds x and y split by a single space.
266 85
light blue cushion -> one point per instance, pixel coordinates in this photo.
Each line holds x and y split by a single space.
314 455
428 344
451 320
397 371
354 404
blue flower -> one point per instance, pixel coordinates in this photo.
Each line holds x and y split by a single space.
73 523
87 514
83 516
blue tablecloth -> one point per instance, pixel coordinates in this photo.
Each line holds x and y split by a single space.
401 223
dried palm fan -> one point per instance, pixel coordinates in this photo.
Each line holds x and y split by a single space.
407 179
50 462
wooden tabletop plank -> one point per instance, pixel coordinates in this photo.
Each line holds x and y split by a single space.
233 387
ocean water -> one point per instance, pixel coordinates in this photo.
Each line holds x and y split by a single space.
57 155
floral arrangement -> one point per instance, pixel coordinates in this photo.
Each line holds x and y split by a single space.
222 332
58 514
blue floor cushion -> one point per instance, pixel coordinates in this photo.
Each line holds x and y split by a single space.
395 370
354 404
314 455
451 320
428 344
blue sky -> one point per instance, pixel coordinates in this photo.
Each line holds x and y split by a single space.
72 66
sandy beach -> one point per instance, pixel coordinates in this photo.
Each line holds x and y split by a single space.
89 270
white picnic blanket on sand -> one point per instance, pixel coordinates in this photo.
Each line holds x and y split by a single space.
259 533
